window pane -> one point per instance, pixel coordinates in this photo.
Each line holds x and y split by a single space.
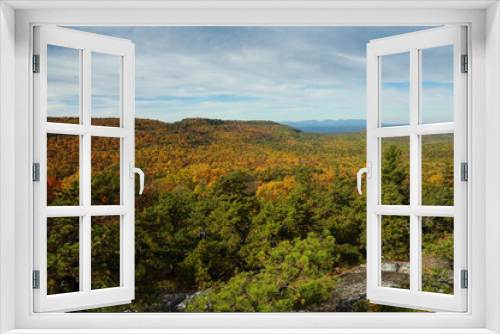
395 89
63 84
395 182
105 89
395 252
105 252
437 84
63 255
437 254
63 170
105 171
437 170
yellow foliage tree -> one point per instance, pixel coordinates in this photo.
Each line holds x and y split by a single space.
276 189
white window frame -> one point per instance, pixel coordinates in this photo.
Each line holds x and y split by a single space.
483 124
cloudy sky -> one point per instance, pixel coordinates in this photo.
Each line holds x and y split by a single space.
252 73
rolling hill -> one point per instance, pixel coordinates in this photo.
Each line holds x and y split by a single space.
229 204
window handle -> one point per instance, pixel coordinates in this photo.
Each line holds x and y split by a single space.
368 171
134 170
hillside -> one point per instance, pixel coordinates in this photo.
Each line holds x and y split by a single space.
255 215
205 149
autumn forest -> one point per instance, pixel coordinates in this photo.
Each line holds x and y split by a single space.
245 216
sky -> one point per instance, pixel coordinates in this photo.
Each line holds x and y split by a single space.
252 73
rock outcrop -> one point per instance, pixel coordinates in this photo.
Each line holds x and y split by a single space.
351 287
177 302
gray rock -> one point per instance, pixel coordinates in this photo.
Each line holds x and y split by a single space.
168 302
182 306
393 267
351 287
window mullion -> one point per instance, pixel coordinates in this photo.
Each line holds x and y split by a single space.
86 154
86 251
81 272
86 159
414 170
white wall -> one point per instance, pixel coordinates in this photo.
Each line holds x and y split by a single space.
492 164
7 163
23 182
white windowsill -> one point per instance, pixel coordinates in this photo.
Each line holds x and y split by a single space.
252 331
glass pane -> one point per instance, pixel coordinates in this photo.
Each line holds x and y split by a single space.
437 84
437 170
63 84
395 252
105 171
395 89
105 89
395 182
63 170
63 255
437 254
105 252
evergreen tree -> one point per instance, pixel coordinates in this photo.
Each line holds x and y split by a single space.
395 177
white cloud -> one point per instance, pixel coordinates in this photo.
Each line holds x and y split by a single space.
278 73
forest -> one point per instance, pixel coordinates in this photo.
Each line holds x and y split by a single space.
249 216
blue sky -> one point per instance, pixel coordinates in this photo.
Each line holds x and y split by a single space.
250 73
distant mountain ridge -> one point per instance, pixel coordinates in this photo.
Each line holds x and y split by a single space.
329 125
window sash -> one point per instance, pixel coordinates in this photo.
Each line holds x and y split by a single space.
412 43
85 298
